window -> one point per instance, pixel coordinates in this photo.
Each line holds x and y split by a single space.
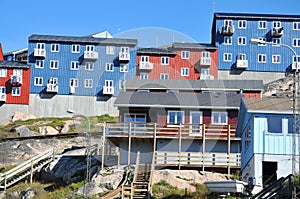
88 83
39 64
204 71
53 80
40 46
262 25
184 71
144 58
164 76
274 124
294 59
38 81
124 68
165 60
175 117
296 42
241 56
242 24
276 41
227 40
247 136
185 54
54 47
53 64
2 91
74 65
296 25
205 54
262 39
262 58
75 48
109 67
74 82
276 24
227 57
132 117
227 22
196 118
89 66
3 72
89 48
276 59
110 50
143 75
219 117
109 83
16 91
241 40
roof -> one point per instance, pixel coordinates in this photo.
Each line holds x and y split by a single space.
195 84
257 16
16 52
13 64
178 100
269 105
85 39
155 51
194 46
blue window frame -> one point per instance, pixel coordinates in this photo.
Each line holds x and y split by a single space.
175 117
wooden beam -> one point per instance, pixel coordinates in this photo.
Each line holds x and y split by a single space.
129 145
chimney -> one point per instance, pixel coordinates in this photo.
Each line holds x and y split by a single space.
1 53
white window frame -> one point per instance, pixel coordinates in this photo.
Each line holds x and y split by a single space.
276 24
205 54
90 48
165 60
185 54
227 57
294 59
89 66
55 48
88 83
205 71
262 25
228 22
40 46
276 41
3 72
144 59
54 64
262 39
198 127
38 81
185 72
262 58
296 42
164 76
144 75
219 117
75 48
276 59
53 80
241 56
2 90
39 64
296 25
109 83
109 67
74 65
227 40
242 24
74 82
16 91
242 41
126 115
123 68
110 50
176 122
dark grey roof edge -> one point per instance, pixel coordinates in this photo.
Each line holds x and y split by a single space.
256 16
83 39
13 64
155 51
194 46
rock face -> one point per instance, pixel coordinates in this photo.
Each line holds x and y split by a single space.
280 88
25 194
110 181
22 116
90 190
24 131
48 130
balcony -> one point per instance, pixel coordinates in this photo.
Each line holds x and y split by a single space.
146 66
72 89
124 56
90 55
52 88
207 77
2 97
205 61
16 80
295 66
108 90
241 64
277 32
228 30
40 53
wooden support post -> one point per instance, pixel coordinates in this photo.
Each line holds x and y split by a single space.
203 147
228 149
31 171
179 146
103 146
129 145
5 181
154 146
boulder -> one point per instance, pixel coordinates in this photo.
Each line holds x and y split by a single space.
22 116
48 130
6 122
25 194
24 131
90 189
68 125
110 181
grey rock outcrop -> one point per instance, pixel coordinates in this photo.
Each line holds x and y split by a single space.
110 181
90 189
25 194
24 131
22 116
48 130
282 88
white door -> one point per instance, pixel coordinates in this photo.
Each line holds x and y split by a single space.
196 118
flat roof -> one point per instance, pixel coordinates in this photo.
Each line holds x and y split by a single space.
194 46
155 51
269 105
13 64
256 16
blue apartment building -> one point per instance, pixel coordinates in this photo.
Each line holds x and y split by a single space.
239 59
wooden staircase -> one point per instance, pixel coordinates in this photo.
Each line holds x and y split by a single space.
25 169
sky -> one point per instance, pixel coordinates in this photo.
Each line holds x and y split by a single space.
191 19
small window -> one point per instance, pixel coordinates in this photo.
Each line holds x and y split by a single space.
89 48
274 124
54 47
3 72
295 60
53 80
242 41
262 25
227 57
39 64
74 65
2 90
74 82
276 41
184 71
124 68
164 76
219 117
143 75
185 54
241 56
109 83
276 24
242 24
75 48
227 40
227 22
262 58
16 91
262 39
276 59
296 25
164 60
40 46
205 54
205 71
175 117
53 64
296 42
109 67
88 83
89 66
145 59
110 50
38 81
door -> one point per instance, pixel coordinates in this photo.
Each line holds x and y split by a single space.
138 122
269 173
196 118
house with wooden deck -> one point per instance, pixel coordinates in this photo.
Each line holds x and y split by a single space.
269 149
174 123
